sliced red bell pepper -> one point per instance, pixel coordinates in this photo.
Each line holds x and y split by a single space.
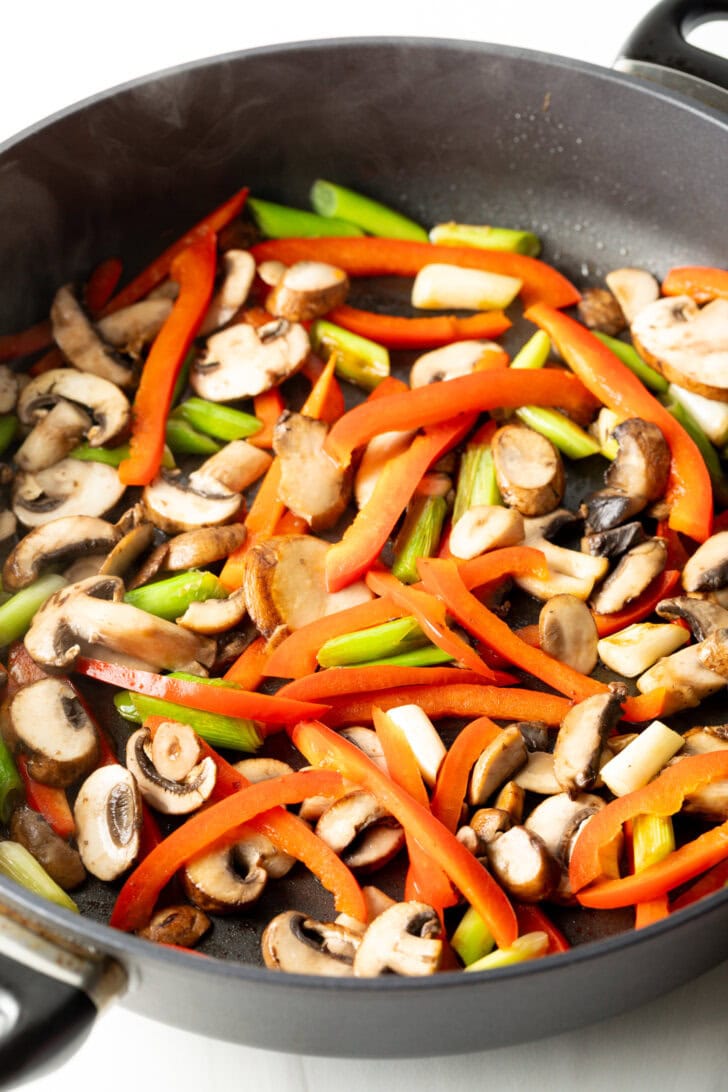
368 679
496 565
532 919
102 283
248 670
437 402
28 341
689 490
367 256
161 267
267 407
150 835
322 747
430 332
221 823
703 283
640 608
677 554
713 880
194 269
326 400
266 708
647 913
49 801
452 778
349 558
53 358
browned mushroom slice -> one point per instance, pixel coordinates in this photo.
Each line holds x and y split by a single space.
213 616
307 290
702 616
81 344
685 676
235 467
580 739
213 883
633 289
538 774
557 818
489 823
55 435
108 821
636 477
599 310
567 631
707 568
686 343
172 504
614 541
56 543
528 469
501 758
262 768
449 362
71 487
60 860
635 572
511 799
130 546
243 360
105 408
521 863
312 485
367 740
284 584
183 926
167 795
297 944
405 939
361 831
131 328
238 272
710 802
51 724
202 547
175 750
699 741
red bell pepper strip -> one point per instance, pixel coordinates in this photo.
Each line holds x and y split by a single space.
325 401
430 614
641 608
102 283
268 709
703 283
248 670
150 835
322 747
452 778
28 341
495 566
437 402
161 267
455 700
349 558
359 680
49 801
689 489
647 913
194 269
221 822
714 880
677 554
267 407
366 256
398 332
532 919
662 796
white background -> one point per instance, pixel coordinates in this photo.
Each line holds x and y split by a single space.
55 55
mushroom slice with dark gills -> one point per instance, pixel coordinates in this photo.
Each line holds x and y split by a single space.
702 615
600 310
182 926
71 487
687 344
361 831
405 939
56 543
244 360
172 504
581 737
225 881
496 764
238 273
449 362
298 944
131 328
213 616
236 466
614 541
528 469
108 821
60 860
312 484
637 476
202 547
634 573
92 614
106 405
81 344
521 863
167 795
307 290
707 569
52 726
54 436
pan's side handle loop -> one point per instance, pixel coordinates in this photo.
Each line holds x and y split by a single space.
658 50
50 995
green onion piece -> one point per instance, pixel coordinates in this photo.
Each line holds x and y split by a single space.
281 221
170 598
653 838
330 199
11 786
234 733
483 235
113 456
183 439
529 946
8 431
17 613
419 536
221 422
428 656
534 353
377 642
560 430
18 864
477 483
358 360
472 939
632 359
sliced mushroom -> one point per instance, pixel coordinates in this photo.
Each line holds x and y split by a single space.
284 584
182 926
108 821
600 310
688 680
80 343
297 944
511 799
55 435
175 750
307 290
636 477
405 939
214 884
713 652
238 273
100 399
243 360
571 572
235 467
550 525
127 550
528 469
202 547
166 794
449 362
634 289
709 802
557 818
71 487
567 631
702 615
686 343
213 616
635 572
172 504
51 724
60 860
361 831
700 741
538 774
93 613
614 541
54 544
500 759
581 738
521 863
489 823
262 768
131 328
707 569
485 527
367 740
312 485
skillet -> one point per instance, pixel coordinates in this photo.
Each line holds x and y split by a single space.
608 170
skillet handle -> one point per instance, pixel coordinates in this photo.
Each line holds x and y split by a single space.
657 50
50 994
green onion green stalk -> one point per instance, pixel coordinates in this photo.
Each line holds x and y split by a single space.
11 786
233 733
419 536
560 430
483 235
183 439
17 613
281 221
114 456
221 422
428 656
171 597
476 483
632 359
18 864
330 199
472 938
701 441
358 360
391 638
8 431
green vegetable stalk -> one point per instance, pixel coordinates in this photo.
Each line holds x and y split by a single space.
11 786
483 235
281 222
234 733
358 360
374 643
221 422
632 359
183 439
114 456
472 938
419 536
17 613
330 199
476 483
18 864
170 598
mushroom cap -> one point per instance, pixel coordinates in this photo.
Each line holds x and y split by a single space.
449 362
529 470
81 344
168 796
686 343
306 290
707 568
296 943
312 485
107 404
131 328
568 632
360 830
238 273
213 884
56 542
404 939
635 571
72 487
108 821
172 504
52 725
243 360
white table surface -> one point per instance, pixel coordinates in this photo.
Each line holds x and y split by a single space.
55 55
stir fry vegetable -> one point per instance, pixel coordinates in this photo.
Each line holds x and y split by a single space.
453 665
